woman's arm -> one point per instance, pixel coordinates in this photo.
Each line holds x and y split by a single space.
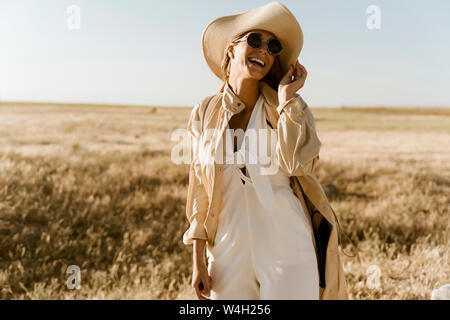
298 144
196 209
197 198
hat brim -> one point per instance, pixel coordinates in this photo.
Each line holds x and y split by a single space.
273 17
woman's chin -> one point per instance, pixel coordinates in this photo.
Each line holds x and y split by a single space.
255 73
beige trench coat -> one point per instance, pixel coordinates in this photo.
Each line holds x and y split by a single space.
297 149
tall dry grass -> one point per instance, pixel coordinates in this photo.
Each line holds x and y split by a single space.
94 186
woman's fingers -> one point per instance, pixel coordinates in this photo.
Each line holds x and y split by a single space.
300 75
287 77
297 70
201 281
207 290
305 73
203 287
206 285
289 86
300 71
199 292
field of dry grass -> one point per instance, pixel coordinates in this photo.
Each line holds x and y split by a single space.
94 186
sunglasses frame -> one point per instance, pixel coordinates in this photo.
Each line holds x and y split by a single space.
245 38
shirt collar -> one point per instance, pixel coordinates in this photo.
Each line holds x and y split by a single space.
232 103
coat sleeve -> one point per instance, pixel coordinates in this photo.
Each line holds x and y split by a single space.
298 144
197 198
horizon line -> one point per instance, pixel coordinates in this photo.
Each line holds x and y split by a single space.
96 104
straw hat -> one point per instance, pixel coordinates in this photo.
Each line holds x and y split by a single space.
273 17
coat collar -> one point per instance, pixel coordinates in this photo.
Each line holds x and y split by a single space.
232 103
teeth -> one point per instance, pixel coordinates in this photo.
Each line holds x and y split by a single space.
257 61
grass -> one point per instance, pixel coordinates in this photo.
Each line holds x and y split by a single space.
94 186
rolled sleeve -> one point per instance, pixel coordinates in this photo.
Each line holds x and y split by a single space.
298 144
197 198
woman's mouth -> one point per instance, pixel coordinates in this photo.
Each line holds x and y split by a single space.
257 62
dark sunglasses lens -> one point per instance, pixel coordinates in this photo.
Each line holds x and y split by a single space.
254 40
274 46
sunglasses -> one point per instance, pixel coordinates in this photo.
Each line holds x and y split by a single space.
255 40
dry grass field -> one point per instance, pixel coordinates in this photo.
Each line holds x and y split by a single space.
94 186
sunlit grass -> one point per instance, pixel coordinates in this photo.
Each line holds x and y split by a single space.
94 186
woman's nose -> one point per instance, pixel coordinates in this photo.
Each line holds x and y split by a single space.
263 48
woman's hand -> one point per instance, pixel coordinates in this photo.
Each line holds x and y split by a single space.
289 87
201 280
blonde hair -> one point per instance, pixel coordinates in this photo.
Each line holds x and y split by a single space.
272 78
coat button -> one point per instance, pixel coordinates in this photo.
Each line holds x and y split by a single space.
213 214
239 104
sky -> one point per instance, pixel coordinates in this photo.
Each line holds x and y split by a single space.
149 52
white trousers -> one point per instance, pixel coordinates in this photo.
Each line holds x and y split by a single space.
259 253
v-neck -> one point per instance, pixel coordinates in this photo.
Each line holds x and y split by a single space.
250 124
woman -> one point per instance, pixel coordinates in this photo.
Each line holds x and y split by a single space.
260 234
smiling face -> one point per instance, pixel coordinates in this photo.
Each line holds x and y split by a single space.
248 62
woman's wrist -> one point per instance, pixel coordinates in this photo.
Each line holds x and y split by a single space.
283 97
199 250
